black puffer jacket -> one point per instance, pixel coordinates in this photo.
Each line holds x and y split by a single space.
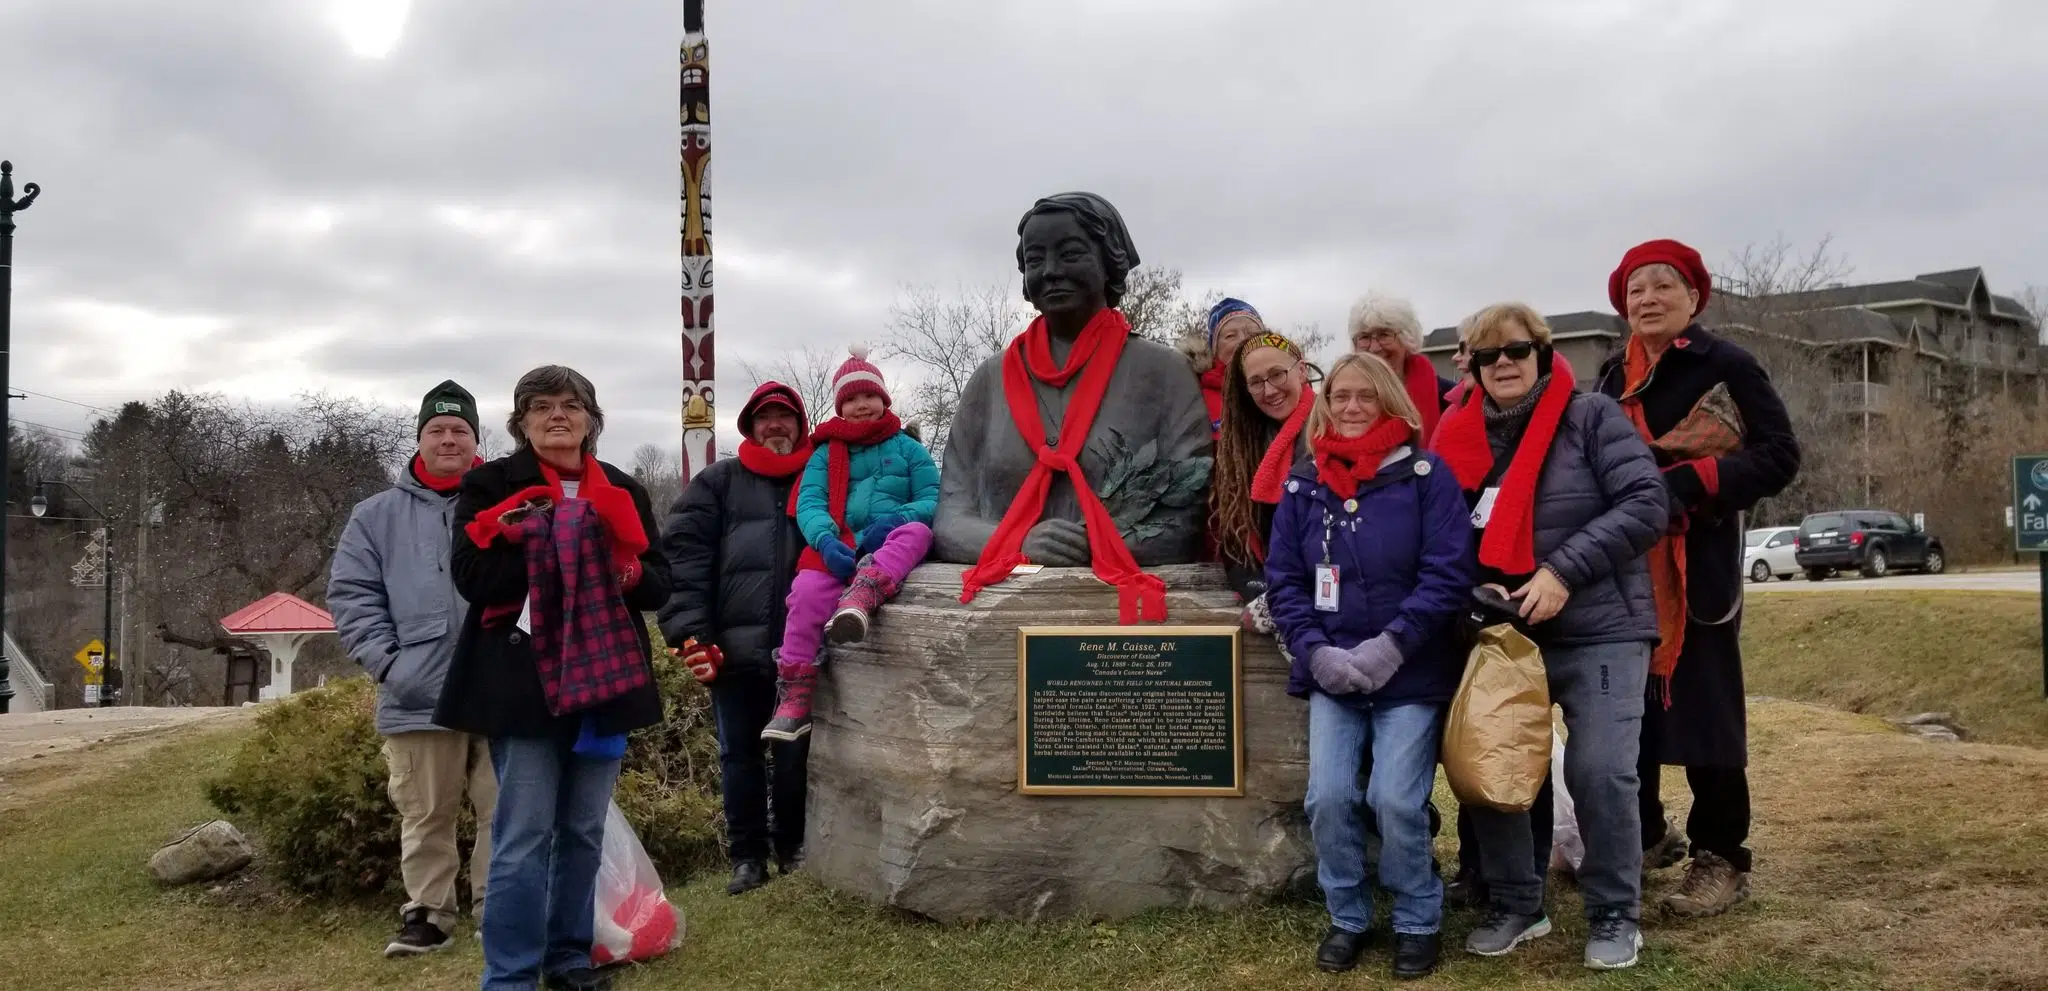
1600 506
732 548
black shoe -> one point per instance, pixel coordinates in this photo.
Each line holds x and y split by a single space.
1466 890
789 863
580 979
746 876
1415 956
416 936
1340 949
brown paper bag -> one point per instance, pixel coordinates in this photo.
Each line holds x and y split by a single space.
1497 737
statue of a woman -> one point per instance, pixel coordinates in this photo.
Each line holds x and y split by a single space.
1080 444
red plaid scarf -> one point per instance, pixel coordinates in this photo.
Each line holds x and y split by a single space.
585 641
840 437
1093 360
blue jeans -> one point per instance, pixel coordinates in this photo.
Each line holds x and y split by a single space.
547 839
1404 740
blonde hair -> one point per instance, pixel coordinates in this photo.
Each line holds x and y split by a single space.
1488 328
1392 312
1391 393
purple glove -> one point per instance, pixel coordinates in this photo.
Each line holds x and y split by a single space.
1374 663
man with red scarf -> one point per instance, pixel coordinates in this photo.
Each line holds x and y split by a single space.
398 614
732 548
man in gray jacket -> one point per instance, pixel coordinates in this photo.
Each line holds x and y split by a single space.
396 608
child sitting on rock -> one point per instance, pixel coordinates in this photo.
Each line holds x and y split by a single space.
865 508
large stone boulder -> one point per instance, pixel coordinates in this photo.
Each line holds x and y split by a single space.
913 768
213 850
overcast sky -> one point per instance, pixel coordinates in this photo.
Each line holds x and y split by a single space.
267 197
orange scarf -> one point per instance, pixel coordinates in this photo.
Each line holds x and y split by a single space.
1667 558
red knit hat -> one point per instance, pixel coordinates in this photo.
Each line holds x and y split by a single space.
1664 252
855 376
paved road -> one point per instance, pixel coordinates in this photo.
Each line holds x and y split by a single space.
2027 580
24 735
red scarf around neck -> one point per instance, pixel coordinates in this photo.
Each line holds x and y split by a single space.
1139 596
1667 558
757 458
1212 394
1344 462
614 507
1419 379
1279 459
437 483
841 436
1509 544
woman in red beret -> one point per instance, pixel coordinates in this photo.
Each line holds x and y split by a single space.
1722 437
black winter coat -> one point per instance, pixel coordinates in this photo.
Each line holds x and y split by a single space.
732 548
1707 724
493 686
1600 506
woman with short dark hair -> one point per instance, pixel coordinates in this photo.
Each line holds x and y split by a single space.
543 534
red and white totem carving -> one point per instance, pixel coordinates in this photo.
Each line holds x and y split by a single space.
700 444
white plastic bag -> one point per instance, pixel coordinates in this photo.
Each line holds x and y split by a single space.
634 918
1567 847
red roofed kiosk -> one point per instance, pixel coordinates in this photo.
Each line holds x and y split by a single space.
280 623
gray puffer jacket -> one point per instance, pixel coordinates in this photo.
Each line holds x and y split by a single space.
1600 507
394 601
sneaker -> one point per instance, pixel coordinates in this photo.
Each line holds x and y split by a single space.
1503 931
1612 944
416 936
1340 949
1415 956
1712 886
746 876
792 720
1668 851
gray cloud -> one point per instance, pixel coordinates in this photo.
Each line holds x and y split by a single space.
236 200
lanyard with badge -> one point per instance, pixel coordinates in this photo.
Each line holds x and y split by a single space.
1327 576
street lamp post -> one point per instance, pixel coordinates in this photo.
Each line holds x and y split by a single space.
9 206
110 676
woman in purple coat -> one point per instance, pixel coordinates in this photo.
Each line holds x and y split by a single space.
1368 563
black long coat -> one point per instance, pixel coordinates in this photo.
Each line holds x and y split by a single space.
1707 724
732 549
493 686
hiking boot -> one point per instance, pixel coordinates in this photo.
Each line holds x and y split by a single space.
416 936
1415 956
1503 931
792 720
1668 851
1712 886
746 876
870 587
1340 949
1612 943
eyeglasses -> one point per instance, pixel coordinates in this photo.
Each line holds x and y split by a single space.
1277 381
1515 352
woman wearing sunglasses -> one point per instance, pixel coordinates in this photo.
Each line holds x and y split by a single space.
1267 396
1565 499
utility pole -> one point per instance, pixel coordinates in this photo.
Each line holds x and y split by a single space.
9 206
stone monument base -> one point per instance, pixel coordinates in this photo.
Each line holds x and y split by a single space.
913 768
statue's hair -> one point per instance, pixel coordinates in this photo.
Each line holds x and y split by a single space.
1103 225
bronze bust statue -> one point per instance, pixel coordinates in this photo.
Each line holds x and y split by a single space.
1146 451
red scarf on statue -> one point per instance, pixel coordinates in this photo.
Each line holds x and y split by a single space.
1419 379
761 461
841 437
1509 544
1139 596
1344 462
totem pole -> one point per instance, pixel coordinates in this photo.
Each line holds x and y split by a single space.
700 445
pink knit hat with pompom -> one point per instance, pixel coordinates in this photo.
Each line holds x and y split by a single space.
857 375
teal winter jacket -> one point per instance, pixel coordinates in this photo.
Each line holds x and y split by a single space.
894 476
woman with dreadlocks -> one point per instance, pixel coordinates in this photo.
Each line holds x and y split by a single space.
1266 399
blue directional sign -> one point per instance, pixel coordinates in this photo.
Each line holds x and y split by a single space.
2030 502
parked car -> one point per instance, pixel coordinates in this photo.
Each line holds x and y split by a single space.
1768 551
1871 541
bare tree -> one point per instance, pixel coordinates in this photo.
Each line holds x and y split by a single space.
660 470
808 371
1158 309
946 338
491 445
2035 300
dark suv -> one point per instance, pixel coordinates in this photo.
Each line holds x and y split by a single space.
1870 540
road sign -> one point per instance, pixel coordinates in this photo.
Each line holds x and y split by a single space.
92 693
91 657
2030 502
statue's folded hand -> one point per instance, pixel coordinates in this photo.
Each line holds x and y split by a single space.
1058 544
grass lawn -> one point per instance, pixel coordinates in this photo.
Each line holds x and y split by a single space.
1976 655
1883 861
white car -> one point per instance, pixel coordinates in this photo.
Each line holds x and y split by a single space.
1768 551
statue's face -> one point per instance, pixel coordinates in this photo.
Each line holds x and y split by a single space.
1063 272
